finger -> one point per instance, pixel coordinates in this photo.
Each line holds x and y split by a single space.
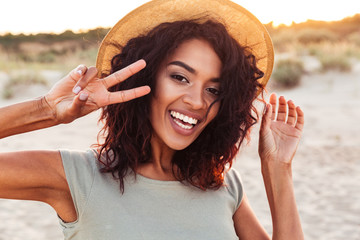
300 119
124 73
273 100
77 73
282 111
77 104
292 113
266 119
83 82
127 95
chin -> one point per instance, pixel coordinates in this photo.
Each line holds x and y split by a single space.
178 145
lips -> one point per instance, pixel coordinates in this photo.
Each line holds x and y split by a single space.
184 121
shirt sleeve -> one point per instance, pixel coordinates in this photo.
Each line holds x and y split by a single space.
79 167
234 184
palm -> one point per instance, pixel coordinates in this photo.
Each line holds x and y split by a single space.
62 92
279 138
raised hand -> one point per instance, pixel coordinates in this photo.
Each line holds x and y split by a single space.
81 92
280 130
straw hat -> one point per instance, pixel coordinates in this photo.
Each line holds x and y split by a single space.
240 23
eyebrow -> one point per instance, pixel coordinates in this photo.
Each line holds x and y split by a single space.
184 65
190 69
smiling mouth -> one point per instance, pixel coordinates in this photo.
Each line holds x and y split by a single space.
183 121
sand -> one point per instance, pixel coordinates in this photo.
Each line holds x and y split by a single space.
326 168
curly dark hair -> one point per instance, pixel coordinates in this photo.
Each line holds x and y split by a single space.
127 127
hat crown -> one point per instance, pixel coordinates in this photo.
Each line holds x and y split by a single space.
244 27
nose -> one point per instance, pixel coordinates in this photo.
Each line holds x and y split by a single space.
195 98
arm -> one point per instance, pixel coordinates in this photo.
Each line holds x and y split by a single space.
74 96
38 113
25 117
39 175
247 225
280 134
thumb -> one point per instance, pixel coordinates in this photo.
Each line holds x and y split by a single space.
266 118
75 109
265 142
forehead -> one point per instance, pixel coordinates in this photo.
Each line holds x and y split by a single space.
199 55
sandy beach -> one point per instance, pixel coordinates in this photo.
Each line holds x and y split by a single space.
326 169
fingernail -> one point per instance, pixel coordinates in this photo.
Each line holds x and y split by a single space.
79 72
83 96
77 89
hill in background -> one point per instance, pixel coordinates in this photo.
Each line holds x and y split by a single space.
325 45
348 28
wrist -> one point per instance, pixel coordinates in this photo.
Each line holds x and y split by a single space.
26 116
275 169
49 114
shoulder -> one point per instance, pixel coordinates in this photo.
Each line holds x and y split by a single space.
232 177
233 183
78 155
81 168
79 165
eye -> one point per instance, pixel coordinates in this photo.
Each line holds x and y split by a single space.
213 91
179 78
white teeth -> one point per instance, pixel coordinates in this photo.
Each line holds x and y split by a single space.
184 118
187 127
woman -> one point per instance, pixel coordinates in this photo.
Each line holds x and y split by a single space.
164 168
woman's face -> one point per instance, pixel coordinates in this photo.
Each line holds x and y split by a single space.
186 84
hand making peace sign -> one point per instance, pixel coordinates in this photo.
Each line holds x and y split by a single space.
81 92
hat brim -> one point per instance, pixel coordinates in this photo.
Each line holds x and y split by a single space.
243 26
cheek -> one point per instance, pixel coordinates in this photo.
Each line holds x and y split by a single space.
166 94
159 96
156 109
214 110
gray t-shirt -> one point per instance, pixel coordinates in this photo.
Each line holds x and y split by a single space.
149 209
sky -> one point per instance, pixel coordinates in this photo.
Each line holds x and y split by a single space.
46 16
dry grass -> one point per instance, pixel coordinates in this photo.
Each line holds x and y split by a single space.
288 73
24 78
24 67
334 53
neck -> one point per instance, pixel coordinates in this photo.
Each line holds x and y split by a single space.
160 167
